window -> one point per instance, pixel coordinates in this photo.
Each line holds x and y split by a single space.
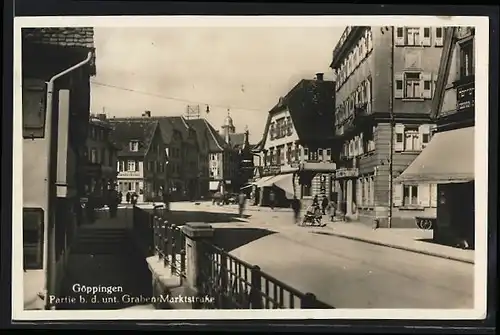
306 153
427 32
272 134
134 146
93 155
131 166
313 155
438 41
410 195
466 60
121 166
320 154
412 141
33 105
33 229
103 156
306 189
412 85
412 36
425 138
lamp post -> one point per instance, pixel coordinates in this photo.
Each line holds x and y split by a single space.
391 117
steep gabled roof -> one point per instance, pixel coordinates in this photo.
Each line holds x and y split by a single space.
126 130
215 141
311 104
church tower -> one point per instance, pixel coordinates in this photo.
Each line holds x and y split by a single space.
228 127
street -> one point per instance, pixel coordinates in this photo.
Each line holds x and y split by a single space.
340 271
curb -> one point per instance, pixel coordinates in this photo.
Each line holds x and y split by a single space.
423 252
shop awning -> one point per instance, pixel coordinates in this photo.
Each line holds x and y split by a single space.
448 158
213 186
285 182
263 182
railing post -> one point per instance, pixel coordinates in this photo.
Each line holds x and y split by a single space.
256 289
308 301
197 234
174 241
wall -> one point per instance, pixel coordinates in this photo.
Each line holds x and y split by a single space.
427 60
174 156
158 173
269 143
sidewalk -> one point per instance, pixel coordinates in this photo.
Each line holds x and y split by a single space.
398 238
412 240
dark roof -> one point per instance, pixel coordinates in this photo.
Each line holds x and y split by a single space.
215 140
311 104
236 140
126 130
78 38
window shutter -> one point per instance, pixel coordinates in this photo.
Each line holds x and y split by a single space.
433 195
398 92
426 40
438 41
399 36
361 144
369 41
397 195
426 78
368 91
424 195
399 129
434 83
424 129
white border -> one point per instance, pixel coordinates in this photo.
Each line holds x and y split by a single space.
481 166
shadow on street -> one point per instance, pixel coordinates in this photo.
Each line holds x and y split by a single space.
233 238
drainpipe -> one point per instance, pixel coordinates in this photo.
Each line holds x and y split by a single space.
49 229
392 123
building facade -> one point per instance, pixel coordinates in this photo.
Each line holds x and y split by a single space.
55 83
297 146
385 81
142 160
101 158
448 160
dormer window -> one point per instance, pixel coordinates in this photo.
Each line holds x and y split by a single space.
134 146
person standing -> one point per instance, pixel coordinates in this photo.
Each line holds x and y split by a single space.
112 202
296 209
272 199
241 203
324 204
127 197
332 208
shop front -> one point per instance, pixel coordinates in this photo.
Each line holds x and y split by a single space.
448 161
345 189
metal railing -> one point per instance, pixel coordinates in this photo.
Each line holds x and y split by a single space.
236 284
231 282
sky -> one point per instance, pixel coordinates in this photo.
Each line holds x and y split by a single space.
243 69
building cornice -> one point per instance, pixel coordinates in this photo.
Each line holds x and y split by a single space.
345 42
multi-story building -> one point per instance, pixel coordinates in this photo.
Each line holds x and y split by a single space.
385 80
141 159
100 170
298 143
448 160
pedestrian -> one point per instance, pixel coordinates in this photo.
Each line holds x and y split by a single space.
324 204
241 203
332 208
296 209
133 198
127 197
120 197
272 199
315 201
112 202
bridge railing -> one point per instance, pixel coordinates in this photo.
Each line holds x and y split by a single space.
230 281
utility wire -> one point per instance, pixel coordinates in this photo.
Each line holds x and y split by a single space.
172 98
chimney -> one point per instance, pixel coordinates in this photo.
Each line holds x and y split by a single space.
146 114
319 76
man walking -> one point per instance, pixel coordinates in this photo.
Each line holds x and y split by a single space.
296 209
272 199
